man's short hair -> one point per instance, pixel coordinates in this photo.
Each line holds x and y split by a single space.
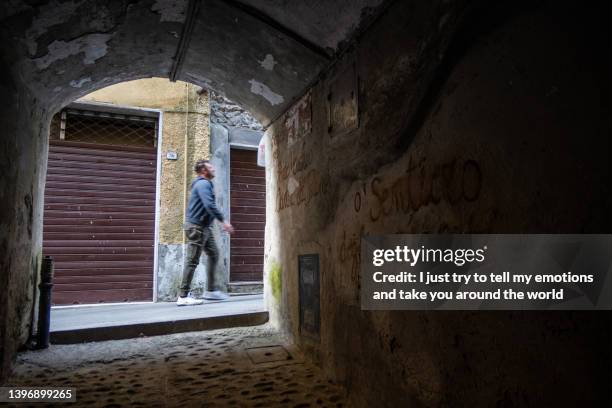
200 165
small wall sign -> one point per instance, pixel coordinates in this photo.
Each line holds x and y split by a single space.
170 155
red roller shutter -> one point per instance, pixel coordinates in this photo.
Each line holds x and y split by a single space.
248 215
99 221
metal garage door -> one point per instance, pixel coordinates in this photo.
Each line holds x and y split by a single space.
99 216
248 215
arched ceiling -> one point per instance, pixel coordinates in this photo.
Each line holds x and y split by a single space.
261 54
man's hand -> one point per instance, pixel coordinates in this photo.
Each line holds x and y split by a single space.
227 227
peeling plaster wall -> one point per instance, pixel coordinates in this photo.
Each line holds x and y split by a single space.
480 124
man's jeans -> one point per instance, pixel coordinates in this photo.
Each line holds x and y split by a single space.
199 238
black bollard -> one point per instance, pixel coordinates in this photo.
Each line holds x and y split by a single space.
44 304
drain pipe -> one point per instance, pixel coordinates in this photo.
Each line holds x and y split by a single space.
44 303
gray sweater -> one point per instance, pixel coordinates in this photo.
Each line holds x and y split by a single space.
202 209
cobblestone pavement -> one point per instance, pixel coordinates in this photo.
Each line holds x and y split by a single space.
240 367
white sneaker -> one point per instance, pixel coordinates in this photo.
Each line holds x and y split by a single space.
188 301
216 295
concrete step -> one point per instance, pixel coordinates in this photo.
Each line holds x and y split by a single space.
78 324
252 288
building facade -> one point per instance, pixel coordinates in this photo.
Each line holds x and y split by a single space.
120 169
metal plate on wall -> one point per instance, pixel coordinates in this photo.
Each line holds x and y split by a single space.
308 266
342 102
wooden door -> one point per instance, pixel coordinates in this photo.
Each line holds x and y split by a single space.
248 215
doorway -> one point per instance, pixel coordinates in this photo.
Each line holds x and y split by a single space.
248 215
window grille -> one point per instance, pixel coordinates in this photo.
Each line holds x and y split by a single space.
54 128
104 128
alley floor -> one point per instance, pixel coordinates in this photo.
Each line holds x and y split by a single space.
95 316
237 367
86 323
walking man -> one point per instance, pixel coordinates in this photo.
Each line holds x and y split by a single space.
201 213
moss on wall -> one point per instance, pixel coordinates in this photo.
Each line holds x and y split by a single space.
275 279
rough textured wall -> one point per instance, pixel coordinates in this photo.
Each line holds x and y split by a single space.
494 122
227 113
175 179
23 146
172 187
66 49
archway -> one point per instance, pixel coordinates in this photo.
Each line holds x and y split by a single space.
64 50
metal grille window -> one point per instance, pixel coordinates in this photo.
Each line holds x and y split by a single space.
107 128
54 127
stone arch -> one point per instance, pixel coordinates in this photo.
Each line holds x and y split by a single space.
254 52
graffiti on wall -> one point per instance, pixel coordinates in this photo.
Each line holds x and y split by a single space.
384 195
298 161
299 190
298 182
420 185
298 121
349 253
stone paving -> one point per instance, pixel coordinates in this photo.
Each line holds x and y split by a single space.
239 367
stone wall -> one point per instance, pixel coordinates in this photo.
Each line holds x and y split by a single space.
23 153
229 114
454 120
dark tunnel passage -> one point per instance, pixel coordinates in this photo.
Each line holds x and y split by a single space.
381 117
